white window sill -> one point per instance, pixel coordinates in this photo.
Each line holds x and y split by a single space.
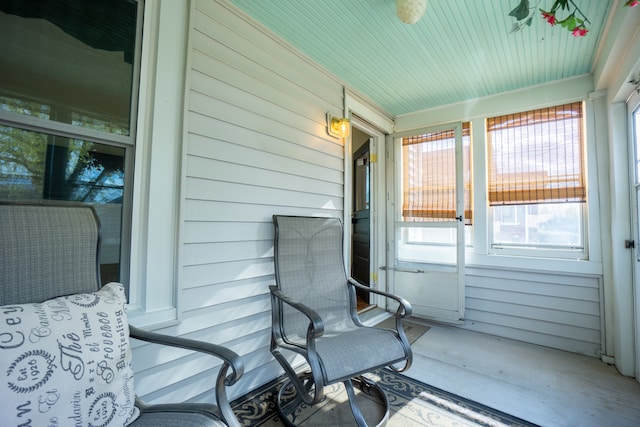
151 320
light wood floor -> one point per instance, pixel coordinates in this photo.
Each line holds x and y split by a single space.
541 385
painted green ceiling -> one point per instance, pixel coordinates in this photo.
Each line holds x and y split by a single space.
459 50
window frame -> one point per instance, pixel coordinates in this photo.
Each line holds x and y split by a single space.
159 65
126 142
159 154
438 215
543 251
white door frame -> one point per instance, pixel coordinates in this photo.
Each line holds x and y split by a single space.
377 205
438 292
378 124
633 105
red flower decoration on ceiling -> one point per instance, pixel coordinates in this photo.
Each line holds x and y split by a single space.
551 19
579 32
562 12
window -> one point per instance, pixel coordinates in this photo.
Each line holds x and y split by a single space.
429 192
537 186
67 109
429 185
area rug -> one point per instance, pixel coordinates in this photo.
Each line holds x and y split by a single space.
411 402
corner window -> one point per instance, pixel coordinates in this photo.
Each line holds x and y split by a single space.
537 186
68 97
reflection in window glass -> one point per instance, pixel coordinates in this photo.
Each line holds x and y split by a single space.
35 166
553 225
69 61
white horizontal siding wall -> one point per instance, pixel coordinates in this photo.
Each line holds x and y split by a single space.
562 311
255 145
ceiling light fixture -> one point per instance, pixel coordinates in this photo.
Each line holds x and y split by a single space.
338 128
410 11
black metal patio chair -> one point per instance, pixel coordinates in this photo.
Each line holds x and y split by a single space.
314 315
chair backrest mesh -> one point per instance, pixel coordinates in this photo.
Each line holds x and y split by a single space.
310 269
47 251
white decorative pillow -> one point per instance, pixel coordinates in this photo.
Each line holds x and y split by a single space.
67 361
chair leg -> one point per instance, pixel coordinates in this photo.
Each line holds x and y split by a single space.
293 403
369 387
286 404
355 409
284 413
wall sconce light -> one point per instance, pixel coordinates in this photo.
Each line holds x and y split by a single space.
410 11
338 128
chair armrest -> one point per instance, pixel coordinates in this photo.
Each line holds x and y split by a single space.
404 309
316 325
230 358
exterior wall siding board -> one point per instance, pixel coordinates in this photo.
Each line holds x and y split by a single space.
217 252
263 127
199 232
573 287
212 169
536 313
201 189
556 310
208 274
253 291
288 159
534 301
235 331
200 210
